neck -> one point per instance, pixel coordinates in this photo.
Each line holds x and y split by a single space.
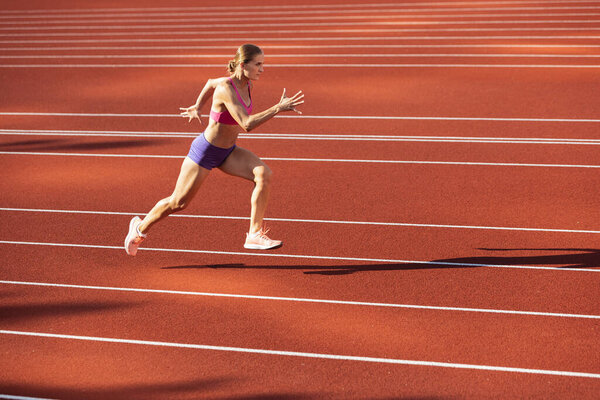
240 77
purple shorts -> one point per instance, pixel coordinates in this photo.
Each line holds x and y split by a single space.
206 155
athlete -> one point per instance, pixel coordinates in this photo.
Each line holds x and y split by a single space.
215 148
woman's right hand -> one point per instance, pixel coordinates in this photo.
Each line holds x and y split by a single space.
191 113
290 103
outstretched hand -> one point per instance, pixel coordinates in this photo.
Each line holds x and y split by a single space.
191 113
290 103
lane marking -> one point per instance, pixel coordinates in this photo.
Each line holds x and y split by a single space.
298 256
312 55
335 160
44 25
300 39
591 66
304 116
55 18
280 7
297 24
306 355
302 300
292 136
13 397
316 46
302 31
317 221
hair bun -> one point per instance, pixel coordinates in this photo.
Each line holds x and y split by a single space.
231 66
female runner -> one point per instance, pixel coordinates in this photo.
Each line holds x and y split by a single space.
215 148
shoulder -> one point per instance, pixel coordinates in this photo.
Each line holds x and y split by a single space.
223 87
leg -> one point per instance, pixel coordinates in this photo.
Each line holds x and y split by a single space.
247 165
190 178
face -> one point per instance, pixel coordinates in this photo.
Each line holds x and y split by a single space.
254 68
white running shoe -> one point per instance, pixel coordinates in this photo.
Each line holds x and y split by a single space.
134 237
260 241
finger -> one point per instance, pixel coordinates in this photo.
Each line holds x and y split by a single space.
298 112
283 95
297 103
297 94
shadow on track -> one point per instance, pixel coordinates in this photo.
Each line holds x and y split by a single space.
20 312
583 258
70 144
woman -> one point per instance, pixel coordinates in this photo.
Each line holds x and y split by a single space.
231 106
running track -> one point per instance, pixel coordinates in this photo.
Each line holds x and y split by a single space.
437 200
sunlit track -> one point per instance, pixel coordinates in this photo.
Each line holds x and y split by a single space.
435 200
336 66
301 300
290 136
109 35
312 47
294 56
312 160
260 16
314 221
295 6
304 116
307 24
386 39
301 256
339 13
305 354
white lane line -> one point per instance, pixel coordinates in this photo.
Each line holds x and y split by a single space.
293 56
299 24
294 32
335 7
339 13
303 300
305 257
336 160
299 136
13 397
316 221
304 116
307 355
591 66
300 39
389 14
316 46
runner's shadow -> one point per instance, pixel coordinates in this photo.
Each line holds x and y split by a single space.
582 258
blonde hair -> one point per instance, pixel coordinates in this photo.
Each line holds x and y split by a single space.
245 53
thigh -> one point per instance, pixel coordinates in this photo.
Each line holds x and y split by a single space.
190 178
242 163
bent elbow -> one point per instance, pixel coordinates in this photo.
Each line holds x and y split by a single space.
247 127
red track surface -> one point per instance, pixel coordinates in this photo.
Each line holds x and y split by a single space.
457 253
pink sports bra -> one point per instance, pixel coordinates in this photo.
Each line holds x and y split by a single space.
225 117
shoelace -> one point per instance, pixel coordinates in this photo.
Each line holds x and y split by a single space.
262 233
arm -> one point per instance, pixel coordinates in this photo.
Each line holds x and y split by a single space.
249 122
205 94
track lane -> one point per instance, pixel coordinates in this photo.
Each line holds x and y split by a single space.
420 91
459 195
129 375
313 146
272 278
424 335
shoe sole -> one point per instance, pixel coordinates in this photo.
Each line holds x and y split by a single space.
127 238
259 247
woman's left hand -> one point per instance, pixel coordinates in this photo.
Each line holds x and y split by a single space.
191 113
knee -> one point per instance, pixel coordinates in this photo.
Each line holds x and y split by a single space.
263 175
